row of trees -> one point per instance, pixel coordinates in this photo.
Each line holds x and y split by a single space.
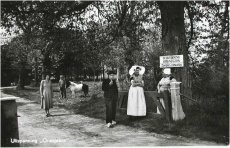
75 37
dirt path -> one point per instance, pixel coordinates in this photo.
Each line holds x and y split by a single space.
67 129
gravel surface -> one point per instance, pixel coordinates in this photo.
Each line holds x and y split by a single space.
66 129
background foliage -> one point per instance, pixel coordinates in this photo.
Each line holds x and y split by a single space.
83 39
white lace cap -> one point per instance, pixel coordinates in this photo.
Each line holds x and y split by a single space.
167 71
133 68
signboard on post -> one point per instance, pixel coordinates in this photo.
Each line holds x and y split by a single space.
171 61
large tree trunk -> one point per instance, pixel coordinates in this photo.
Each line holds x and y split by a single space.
21 78
97 74
174 39
20 84
118 76
84 74
46 62
43 71
103 72
36 72
46 65
118 73
94 80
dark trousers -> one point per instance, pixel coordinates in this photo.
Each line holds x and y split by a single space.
63 92
110 105
168 105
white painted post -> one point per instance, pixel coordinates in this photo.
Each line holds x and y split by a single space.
177 110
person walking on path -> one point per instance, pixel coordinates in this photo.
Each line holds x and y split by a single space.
110 88
62 86
136 99
46 92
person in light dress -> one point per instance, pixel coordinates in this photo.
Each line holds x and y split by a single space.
136 99
46 92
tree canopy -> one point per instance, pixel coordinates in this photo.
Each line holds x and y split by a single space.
79 39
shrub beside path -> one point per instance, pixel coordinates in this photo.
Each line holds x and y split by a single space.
65 129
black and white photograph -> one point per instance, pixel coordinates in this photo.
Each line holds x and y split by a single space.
116 73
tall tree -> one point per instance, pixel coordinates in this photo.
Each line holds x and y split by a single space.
174 39
210 45
30 17
18 50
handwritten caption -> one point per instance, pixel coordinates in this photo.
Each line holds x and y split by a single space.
44 140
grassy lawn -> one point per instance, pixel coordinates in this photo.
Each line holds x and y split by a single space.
213 125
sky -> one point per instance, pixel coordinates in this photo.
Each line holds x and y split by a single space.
6 37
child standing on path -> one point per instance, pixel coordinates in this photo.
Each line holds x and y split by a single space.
110 88
62 85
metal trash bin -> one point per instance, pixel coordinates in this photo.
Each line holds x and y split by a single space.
9 122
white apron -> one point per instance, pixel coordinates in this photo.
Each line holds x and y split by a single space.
136 100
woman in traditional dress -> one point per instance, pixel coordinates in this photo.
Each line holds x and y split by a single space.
46 92
175 102
164 84
136 100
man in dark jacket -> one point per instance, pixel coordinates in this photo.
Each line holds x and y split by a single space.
110 88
